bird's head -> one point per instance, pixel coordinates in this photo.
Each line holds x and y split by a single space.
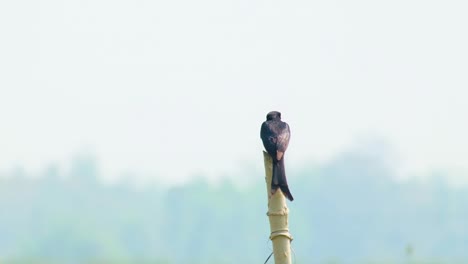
274 115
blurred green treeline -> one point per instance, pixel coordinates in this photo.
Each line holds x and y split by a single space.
350 210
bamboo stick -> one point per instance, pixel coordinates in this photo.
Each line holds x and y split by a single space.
278 215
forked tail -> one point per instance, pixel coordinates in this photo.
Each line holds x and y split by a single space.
279 179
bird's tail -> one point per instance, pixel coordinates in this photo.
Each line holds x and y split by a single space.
279 179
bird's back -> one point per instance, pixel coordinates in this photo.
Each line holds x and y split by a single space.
275 136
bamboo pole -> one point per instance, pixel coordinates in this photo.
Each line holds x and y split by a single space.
278 215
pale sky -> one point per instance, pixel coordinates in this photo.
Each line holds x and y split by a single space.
170 89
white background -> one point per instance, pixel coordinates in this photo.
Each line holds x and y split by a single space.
145 84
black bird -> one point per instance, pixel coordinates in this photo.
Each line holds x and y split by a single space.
275 135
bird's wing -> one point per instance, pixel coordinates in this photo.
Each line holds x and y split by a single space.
264 131
268 138
283 138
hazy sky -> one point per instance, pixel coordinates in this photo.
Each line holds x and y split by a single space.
176 88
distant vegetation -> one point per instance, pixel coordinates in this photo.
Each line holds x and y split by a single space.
347 211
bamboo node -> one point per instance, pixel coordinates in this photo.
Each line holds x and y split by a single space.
284 211
281 232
